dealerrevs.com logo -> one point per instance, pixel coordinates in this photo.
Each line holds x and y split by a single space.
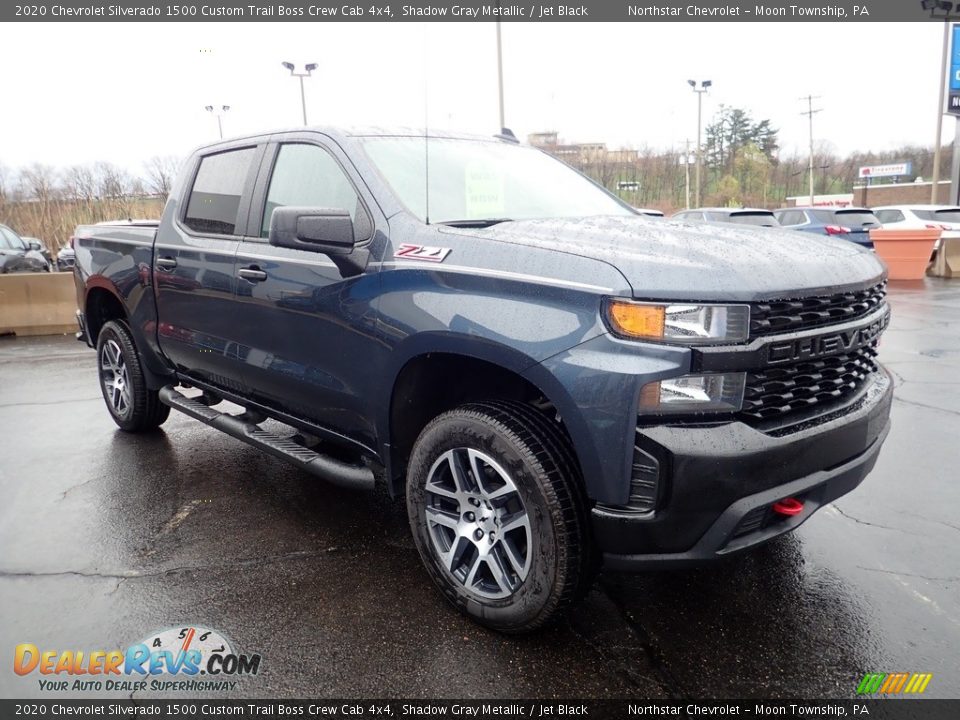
188 658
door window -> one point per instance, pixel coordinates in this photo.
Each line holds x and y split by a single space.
215 196
309 176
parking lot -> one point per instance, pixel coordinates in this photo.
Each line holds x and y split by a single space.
108 537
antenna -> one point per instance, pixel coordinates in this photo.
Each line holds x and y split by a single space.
426 122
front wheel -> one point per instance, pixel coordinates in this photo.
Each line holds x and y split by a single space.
133 406
497 514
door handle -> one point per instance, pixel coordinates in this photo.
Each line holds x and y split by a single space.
166 263
252 274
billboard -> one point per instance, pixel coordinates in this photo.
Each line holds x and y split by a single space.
889 170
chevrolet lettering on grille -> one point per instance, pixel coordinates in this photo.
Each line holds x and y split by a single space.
817 346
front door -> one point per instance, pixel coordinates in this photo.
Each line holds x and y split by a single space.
305 332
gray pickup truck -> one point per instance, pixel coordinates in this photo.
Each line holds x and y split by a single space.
552 381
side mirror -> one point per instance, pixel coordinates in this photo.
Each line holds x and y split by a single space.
320 230
34 245
312 229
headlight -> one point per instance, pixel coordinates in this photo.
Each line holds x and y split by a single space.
714 393
687 324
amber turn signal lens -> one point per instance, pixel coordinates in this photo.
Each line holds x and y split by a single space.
634 320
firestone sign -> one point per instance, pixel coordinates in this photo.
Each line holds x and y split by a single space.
891 170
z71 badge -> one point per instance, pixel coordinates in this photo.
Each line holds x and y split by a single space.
422 252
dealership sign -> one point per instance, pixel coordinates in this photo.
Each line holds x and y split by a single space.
953 93
891 170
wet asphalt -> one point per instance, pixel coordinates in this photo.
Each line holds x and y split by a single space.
106 538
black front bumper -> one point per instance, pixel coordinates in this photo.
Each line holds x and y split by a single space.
719 482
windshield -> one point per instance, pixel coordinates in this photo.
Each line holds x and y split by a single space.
950 215
481 180
758 219
856 218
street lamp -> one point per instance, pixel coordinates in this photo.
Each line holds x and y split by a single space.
219 114
704 84
308 71
503 122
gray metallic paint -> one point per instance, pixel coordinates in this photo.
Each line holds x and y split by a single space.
524 295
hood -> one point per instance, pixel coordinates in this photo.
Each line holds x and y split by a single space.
676 260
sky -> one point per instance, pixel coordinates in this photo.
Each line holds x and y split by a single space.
124 92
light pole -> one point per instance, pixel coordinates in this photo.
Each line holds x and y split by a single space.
500 74
219 114
944 61
308 71
703 85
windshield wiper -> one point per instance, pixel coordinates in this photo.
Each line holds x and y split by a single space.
480 223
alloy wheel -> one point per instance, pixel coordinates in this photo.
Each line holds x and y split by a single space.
113 375
477 523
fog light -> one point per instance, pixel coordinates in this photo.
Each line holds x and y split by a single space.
709 393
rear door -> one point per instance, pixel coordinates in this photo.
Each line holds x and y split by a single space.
194 259
306 333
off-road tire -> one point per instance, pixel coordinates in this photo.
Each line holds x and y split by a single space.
539 459
139 408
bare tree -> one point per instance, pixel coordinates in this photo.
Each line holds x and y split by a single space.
161 172
39 182
80 183
112 182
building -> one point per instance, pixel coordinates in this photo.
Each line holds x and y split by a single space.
914 193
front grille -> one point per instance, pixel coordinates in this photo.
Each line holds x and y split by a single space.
775 392
779 316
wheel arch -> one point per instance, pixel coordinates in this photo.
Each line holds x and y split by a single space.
449 372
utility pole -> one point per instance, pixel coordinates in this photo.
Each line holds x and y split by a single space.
503 123
704 84
686 172
943 81
809 113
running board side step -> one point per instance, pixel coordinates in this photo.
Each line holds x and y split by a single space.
337 472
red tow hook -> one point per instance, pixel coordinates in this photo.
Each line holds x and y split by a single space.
788 507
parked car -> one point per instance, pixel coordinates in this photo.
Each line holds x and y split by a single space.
649 212
851 223
946 218
67 256
727 216
16 255
549 381
41 247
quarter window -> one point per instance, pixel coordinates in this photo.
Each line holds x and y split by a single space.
215 196
308 176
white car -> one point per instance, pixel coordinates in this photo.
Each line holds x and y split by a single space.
918 217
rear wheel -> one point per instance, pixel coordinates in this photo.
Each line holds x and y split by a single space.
132 405
494 502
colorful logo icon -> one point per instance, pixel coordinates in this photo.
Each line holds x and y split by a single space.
894 683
